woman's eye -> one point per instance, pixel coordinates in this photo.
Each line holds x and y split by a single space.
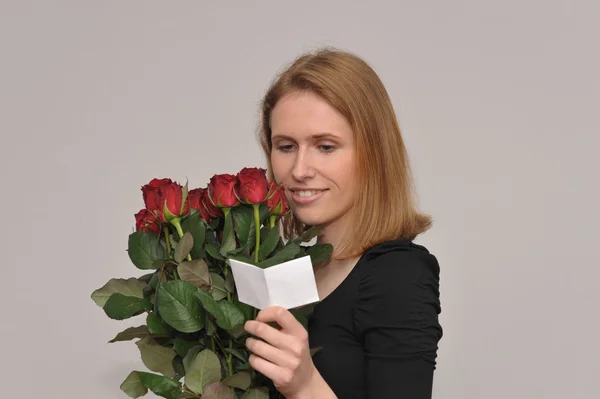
327 148
285 148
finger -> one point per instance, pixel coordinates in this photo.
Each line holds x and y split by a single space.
272 371
284 318
270 353
273 336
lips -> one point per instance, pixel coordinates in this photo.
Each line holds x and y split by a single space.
306 195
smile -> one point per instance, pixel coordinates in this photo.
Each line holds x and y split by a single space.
306 196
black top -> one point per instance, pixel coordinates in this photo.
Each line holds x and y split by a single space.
379 328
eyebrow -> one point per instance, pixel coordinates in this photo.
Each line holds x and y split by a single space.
317 136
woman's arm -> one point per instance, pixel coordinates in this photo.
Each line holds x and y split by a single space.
396 319
316 389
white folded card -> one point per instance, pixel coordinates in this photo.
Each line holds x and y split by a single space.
289 284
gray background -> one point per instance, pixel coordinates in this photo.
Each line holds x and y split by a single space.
498 102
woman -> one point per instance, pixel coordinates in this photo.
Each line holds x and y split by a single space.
332 139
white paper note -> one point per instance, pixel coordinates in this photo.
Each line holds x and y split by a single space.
289 284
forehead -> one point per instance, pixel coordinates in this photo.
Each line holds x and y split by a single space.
304 114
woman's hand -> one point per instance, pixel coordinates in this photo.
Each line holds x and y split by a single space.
284 357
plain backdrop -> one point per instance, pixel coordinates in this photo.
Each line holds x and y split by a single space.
498 102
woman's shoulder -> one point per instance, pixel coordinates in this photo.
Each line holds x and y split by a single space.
398 258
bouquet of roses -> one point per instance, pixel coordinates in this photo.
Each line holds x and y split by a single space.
193 337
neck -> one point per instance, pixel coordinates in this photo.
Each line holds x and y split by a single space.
332 233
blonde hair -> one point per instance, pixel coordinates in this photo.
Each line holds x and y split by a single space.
385 207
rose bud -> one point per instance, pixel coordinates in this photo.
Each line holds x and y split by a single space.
276 200
222 191
197 199
253 186
151 193
212 210
171 198
146 221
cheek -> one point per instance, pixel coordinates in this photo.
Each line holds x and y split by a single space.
279 168
346 176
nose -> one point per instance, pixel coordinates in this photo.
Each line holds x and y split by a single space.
302 169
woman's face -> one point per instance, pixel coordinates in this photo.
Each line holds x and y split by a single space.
314 157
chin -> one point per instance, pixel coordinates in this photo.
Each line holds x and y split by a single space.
310 218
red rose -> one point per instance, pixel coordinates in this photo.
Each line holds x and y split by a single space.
276 200
171 194
151 193
253 185
198 199
212 210
146 221
222 191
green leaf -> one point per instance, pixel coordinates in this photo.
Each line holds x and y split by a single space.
154 280
314 351
184 195
146 277
233 316
244 366
211 327
197 226
161 386
237 331
241 380
228 243
204 369
189 357
210 305
156 325
263 210
128 287
287 253
237 354
178 367
303 313
121 307
131 333
179 307
195 272
218 390
182 346
218 287
246 309
257 393
226 313
213 251
133 385
263 214
241 258
309 234
269 244
319 252
156 357
229 283
144 249
242 223
184 246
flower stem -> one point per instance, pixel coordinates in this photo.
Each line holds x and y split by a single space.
190 393
257 229
177 223
225 273
229 364
168 241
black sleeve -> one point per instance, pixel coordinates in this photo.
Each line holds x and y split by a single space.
396 317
